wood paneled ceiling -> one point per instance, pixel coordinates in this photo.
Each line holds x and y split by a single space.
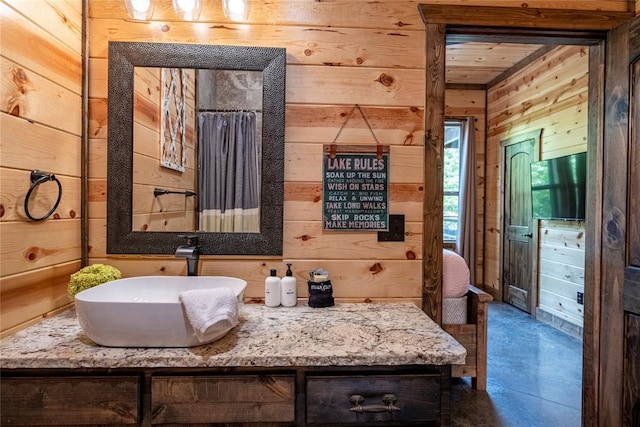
476 63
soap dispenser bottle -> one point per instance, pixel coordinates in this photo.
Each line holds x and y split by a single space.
289 295
272 290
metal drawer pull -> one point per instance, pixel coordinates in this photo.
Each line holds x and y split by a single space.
388 399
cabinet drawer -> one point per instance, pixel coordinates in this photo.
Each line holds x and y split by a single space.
380 398
223 399
69 400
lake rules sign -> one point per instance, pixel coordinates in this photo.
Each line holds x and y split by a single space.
355 190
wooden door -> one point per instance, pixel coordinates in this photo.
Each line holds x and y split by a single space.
617 361
518 282
631 368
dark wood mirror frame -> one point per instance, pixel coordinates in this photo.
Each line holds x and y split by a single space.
123 57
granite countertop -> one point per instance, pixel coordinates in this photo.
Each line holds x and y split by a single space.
342 335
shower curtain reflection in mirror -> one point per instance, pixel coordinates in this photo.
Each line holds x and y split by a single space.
229 172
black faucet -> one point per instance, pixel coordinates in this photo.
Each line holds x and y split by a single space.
190 251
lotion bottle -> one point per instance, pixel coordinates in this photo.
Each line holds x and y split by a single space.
272 290
289 295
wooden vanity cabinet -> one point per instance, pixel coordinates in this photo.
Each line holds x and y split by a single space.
401 396
382 399
222 399
70 400
274 397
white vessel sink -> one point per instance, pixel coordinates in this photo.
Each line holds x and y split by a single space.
144 311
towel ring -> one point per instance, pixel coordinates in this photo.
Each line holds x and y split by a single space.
37 178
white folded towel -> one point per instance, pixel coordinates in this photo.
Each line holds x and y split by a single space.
211 312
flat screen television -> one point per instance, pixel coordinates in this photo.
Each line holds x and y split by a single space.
558 187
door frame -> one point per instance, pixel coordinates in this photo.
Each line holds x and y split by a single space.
566 26
533 298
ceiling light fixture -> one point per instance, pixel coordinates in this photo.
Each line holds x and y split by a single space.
139 9
236 10
188 10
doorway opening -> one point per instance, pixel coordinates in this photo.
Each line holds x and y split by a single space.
610 39
536 110
443 24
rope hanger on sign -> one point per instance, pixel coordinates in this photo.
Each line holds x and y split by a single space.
333 146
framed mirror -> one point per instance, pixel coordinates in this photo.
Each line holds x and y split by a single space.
132 182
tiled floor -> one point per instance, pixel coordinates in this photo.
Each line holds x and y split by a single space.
534 376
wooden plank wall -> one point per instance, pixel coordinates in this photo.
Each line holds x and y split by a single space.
551 94
41 122
369 59
561 274
170 212
339 53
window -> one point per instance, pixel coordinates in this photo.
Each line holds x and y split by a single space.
451 167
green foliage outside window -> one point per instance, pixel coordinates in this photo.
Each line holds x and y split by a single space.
451 168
